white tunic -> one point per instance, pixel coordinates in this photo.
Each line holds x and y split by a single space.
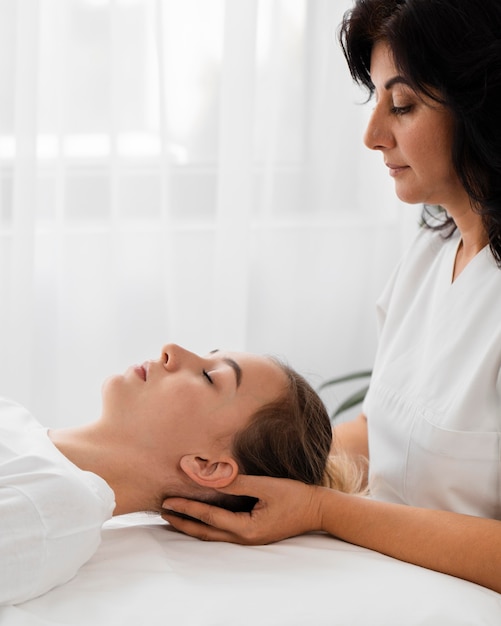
51 512
434 406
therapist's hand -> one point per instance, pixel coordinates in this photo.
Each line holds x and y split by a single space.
285 508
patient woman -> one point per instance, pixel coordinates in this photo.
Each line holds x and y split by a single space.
180 425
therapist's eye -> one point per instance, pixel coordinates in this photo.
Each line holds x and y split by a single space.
400 110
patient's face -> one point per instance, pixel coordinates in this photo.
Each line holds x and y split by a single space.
183 402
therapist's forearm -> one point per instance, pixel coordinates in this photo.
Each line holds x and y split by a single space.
460 545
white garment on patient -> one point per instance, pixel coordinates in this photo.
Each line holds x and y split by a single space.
434 407
51 512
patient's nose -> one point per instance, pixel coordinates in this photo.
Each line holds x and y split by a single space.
169 356
174 356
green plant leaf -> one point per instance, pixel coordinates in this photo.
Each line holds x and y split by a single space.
351 401
346 378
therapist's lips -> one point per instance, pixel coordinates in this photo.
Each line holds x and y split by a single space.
395 170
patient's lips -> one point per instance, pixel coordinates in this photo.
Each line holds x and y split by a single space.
141 371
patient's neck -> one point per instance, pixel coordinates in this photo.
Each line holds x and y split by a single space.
137 485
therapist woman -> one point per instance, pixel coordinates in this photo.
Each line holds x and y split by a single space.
431 422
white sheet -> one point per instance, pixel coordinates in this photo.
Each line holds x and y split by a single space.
143 572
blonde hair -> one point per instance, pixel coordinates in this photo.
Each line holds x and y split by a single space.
345 474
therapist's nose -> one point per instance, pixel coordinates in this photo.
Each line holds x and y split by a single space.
378 133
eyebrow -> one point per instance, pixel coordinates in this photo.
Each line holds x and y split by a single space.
395 81
234 366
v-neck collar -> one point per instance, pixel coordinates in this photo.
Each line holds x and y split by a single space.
469 267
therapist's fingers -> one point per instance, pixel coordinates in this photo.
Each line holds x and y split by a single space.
213 523
203 521
284 509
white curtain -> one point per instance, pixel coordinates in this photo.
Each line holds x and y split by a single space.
188 171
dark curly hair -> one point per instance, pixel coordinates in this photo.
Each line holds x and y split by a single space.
451 48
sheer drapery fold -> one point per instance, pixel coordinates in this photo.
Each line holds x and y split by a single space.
234 181
188 171
19 301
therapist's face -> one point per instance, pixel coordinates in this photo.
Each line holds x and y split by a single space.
414 134
183 402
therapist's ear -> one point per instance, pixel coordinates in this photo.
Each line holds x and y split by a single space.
205 472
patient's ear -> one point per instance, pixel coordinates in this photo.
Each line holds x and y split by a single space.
210 473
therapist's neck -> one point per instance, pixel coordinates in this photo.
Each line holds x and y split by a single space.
473 238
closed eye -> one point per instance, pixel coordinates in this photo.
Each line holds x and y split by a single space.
206 374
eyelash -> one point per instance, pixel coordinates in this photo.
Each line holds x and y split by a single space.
206 374
400 110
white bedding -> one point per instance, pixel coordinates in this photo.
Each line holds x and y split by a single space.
144 573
